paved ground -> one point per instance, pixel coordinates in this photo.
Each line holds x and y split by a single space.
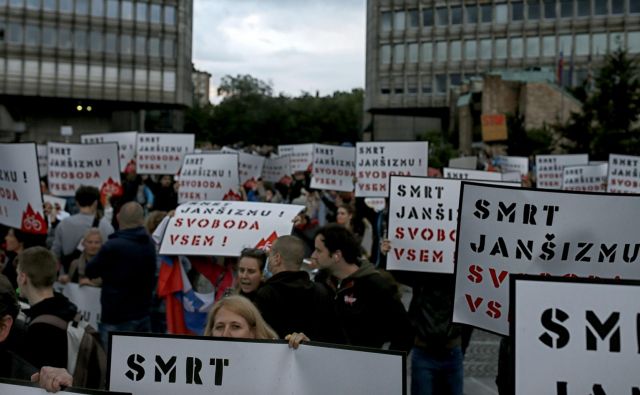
481 364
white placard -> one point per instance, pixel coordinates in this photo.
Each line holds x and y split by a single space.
275 169
16 387
377 161
549 168
208 177
334 167
423 214
624 174
462 174
58 203
162 153
514 163
198 365
20 197
74 165
512 176
504 230
587 178
301 156
87 299
464 162
225 228
126 144
43 168
576 337
249 165
376 204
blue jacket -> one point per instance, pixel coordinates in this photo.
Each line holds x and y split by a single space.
127 265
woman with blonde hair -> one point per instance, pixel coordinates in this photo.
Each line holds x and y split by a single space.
91 243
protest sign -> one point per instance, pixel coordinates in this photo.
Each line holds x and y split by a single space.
462 174
20 197
624 174
87 299
512 176
208 177
422 223
74 165
126 145
504 230
249 165
587 178
225 228
334 167
301 156
575 336
162 153
514 163
549 168
43 168
464 162
276 169
376 204
164 364
17 387
377 161
57 203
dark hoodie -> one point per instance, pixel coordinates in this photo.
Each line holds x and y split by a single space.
45 344
127 265
290 302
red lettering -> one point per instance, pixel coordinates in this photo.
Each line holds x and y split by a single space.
498 279
473 303
475 274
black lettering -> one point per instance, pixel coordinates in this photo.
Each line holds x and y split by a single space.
194 365
603 331
164 368
136 372
551 320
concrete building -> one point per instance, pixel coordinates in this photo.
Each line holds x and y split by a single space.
201 87
96 65
417 50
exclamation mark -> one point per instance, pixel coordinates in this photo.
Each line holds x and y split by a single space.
108 162
224 241
281 214
24 174
419 162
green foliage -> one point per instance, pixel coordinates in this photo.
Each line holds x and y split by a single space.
522 142
440 148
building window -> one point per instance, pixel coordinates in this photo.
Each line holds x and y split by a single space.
470 49
533 10
502 13
385 54
398 87
97 7
550 9
485 49
110 77
414 18
600 7
599 43
80 72
170 16
582 44
169 48
111 43
617 7
126 10
155 80
64 71
634 7
95 75
616 41
456 15
566 8
154 47
66 6
32 36
49 5
64 38
427 52
126 76
456 79
549 46
471 13
141 78
413 52
633 42
112 8
442 16
456 51
80 40
32 4
16 3
501 48
48 70
141 46
126 47
427 17
82 7
385 21
517 47
441 84
441 51
584 7
48 37
398 53
517 11
384 86
412 86
533 47
486 13
426 86
169 81
141 12
399 20
97 41
156 13
565 44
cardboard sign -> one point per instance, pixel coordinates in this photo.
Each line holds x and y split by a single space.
301 156
225 228
334 167
423 215
275 169
74 165
20 196
512 176
624 174
43 168
87 299
464 162
575 337
249 165
17 387
208 177
58 203
514 163
587 178
377 161
494 127
162 364
549 168
162 153
504 230
126 145
462 174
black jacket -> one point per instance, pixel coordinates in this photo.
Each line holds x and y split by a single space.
45 344
291 302
127 265
370 311
14 367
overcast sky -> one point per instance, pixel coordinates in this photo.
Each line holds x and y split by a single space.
297 45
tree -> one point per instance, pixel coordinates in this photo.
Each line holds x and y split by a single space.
243 85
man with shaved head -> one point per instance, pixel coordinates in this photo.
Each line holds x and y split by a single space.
290 302
127 265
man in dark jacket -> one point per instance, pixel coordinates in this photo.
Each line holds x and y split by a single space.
127 265
45 344
290 302
367 305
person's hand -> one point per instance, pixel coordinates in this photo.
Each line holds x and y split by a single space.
385 246
63 279
85 281
295 339
52 379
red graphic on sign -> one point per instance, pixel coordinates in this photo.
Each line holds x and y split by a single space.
265 244
108 189
33 222
232 196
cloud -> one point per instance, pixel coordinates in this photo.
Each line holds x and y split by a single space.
298 45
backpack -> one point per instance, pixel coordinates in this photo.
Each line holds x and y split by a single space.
86 359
